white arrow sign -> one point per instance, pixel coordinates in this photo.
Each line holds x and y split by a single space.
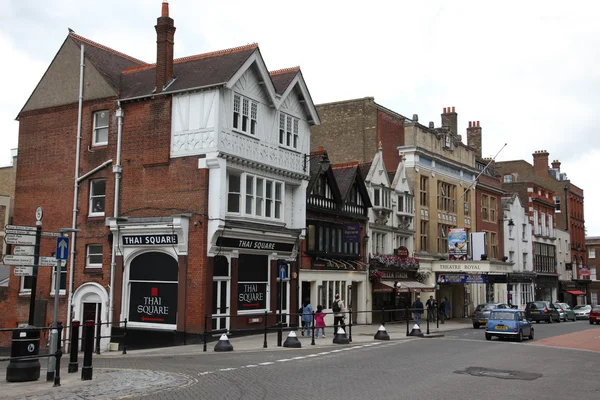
23 250
20 239
18 260
23 271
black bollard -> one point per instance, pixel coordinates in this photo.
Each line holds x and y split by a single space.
205 338
87 370
58 356
407 320
98 337
266 330
73 363
125 337
350 326
312 343
428 322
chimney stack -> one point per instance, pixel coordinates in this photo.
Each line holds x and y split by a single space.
540 162
474 137
165 37
556 165
450 119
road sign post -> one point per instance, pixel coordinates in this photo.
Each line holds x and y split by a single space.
36 256
282 275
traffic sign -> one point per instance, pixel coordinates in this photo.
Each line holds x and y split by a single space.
25 240
62 248
21 228
47 261
23 250
18 232
18 260
282 271
53 234
23 271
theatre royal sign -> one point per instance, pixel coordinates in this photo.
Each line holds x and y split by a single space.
473 267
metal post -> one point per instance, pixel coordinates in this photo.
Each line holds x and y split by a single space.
54 338
87 370
73 363
125 338
350 325
407 320
265 341
428 322
98 336
383 316
312 343
58 355
36 259
280 322
205 332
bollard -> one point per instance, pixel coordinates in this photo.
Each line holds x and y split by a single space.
266 330
437 320
312 343
279 332
205 339
383 316
87 370
350 326
125 338
292 340
58 356
407 320
98 336
428 322
73 363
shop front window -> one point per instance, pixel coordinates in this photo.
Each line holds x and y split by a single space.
253 281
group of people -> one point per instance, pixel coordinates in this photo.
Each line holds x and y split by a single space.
443 309
338 307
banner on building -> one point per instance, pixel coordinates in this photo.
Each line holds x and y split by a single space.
457 244
583 271
461 278
351 233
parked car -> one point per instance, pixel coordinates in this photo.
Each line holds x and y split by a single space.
542 311
582 311
595 315
566 314
508 323
482 312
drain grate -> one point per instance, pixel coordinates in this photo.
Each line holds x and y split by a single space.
499 373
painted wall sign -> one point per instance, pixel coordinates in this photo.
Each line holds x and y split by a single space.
402 252
149 240
351 233
461 278
252 296
254 244
153 302
395 275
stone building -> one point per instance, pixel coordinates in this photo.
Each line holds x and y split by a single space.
593 247
7 194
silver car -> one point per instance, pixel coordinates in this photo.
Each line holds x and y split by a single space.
482 313
582 311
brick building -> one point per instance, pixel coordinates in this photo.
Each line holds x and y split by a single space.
179 164
593 247
7 194
361 125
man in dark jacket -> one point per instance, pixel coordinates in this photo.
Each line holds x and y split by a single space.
418 309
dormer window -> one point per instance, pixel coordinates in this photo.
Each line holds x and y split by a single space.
448 142
288 130
245 113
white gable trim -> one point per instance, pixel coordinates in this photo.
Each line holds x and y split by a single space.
312 111
255 58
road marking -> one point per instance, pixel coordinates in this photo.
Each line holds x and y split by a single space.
336 351
250 366
312 355
205 373
266 363
227 369
299 358
284 360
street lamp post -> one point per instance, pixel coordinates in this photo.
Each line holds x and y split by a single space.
324 162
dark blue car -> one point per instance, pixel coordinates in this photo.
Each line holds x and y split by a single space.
506 323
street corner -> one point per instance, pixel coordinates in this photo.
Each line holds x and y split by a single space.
588 340
106 384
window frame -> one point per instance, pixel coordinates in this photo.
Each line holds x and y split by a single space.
485 205
96 128
423 192
289 131
88 264
423 240
245 114
446 196
267 204
591 253
63 271
93 196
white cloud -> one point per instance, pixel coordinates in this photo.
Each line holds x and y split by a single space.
526 70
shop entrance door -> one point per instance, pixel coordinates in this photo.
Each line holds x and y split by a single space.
220 294
91 312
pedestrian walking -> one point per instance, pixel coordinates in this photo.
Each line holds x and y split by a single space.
446 308
442 311
431 308
320 321
307 316
418 309
338 307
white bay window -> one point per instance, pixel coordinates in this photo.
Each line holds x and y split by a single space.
245 114
261 197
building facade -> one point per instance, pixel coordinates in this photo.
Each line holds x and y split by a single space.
179 166
7 194
593 247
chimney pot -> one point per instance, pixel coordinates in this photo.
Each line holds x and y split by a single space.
165 9
431 125
470 124
444 110
415 117
453 109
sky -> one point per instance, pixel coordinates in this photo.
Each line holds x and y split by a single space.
527 70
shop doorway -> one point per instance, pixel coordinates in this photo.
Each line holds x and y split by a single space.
91 312
220 294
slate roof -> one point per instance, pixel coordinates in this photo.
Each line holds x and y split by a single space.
345 175
110 63
202 70
283 77
364 169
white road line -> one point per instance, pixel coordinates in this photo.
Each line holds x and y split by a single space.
336 351
266 363
323 354
204 373
284 360
227 369
312 355
299 358
251 366
356 347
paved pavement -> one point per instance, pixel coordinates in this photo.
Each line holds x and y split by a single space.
251 371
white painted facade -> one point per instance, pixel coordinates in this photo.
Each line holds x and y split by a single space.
563 254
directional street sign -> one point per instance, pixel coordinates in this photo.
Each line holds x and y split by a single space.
53 234
25 240
62 248
282 272
18 260
50 261
23 250
23 271
21 228
18 232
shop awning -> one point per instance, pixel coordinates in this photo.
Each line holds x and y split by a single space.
576 292
383 287
415 286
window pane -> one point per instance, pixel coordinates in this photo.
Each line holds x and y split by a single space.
101 119
269 197
98 205
249 194
99 188
259 196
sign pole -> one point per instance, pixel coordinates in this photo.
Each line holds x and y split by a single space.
36 258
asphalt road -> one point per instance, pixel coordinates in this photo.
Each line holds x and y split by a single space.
542 330
462 365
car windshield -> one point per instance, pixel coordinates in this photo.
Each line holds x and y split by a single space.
537 304
503 315
581 307
565 306
558 306
485 307
596 308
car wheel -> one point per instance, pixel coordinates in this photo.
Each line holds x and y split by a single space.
520 336
476 326
591 323
488 336
531 334
558 320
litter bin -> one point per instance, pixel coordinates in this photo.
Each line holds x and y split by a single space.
25 343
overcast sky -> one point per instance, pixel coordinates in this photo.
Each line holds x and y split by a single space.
528 70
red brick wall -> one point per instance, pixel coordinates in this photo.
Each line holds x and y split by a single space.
390 132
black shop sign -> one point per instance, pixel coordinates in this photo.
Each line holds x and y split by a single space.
149 240
252 296
254 244
154 303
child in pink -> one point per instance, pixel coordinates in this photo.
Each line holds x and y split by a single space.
319 321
